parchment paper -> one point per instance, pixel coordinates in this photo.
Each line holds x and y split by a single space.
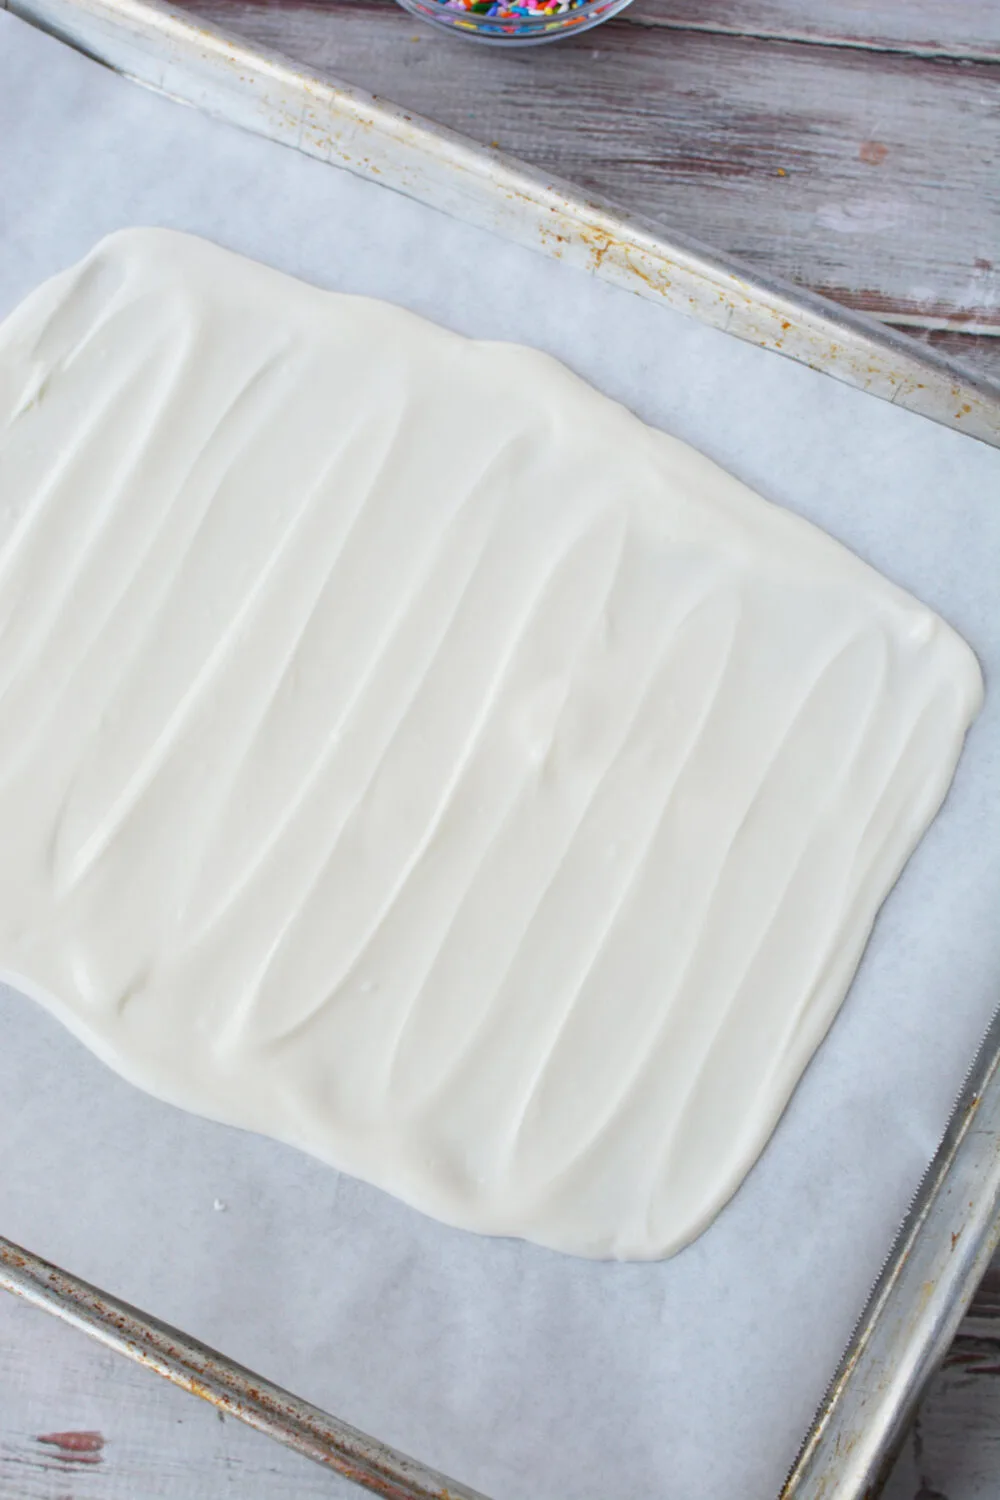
521 1371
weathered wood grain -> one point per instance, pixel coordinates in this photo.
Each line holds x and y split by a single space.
869 176
927 28
80 1423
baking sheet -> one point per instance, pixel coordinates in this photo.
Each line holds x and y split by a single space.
514 1368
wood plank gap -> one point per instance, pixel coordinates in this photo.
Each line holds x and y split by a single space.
936 325
930 51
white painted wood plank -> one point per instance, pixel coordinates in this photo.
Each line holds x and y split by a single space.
868 176
935 28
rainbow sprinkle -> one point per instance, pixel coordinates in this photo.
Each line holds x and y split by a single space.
528 8
516 20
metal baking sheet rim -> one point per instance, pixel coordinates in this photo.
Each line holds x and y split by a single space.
952 1228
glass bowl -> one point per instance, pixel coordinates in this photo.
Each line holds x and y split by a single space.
515 23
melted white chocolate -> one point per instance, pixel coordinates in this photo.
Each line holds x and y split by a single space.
413 756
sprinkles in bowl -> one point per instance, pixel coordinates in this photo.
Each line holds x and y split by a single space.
515 21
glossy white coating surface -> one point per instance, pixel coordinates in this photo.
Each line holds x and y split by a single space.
421 760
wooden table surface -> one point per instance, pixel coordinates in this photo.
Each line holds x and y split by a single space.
853 148
850 147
